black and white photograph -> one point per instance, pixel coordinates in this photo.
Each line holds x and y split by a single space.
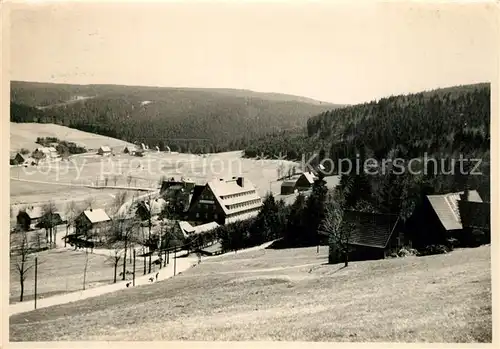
209 171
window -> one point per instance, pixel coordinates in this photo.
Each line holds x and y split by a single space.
197 215
215 216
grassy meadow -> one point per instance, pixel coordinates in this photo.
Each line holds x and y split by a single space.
288 295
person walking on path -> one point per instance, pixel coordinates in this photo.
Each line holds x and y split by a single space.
157 276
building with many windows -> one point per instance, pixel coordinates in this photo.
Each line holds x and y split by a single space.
225 201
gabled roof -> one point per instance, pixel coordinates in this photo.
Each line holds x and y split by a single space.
44 150
130 148
223 189
309 176
446 207
371 229
96 215
188 230
289 183
105 148
34 212
475 214
24 157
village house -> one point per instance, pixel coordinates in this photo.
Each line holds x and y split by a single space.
438 218
130 149
46 153
104 150
28 219
18 159
92 222
146 211
370 236
300 182
179 193
225 201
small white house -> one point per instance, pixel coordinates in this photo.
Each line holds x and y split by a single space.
104 150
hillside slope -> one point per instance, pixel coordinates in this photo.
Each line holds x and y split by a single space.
191 118
288 295
23 135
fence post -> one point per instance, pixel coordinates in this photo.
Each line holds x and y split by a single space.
133 271
36 277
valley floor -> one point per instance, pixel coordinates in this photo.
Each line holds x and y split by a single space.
288 295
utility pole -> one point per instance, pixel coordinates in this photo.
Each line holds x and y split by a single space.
36 276
133 271
175 260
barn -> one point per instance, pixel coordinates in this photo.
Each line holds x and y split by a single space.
370 236
104 150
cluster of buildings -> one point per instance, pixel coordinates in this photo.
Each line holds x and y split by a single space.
437 220
220 200
38 155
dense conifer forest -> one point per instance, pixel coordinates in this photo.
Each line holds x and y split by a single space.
185 119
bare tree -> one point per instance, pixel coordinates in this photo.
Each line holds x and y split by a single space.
119 200
49 222
71 211
115 258
338 233
23 264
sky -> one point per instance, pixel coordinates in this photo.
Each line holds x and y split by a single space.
327 51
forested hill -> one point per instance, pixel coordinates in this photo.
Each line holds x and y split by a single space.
199 119
443 120
441 124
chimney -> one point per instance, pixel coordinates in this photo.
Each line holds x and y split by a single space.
466 194
240 181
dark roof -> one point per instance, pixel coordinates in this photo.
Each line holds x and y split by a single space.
475 214
372 229
197 190
446 207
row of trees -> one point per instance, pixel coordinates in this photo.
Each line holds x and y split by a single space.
299 224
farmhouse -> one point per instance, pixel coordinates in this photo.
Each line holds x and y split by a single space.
371 235
225 201
92 220
179 193
438 218
29 218
302 182
146 210
129 149
288 187
19 159
104 150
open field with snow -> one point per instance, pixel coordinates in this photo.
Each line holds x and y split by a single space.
128 171
288 295
23 135
61 271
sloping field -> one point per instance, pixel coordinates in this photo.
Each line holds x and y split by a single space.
288 295
61 271
23 135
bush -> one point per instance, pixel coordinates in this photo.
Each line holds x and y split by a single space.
405 252
434 249
24 151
